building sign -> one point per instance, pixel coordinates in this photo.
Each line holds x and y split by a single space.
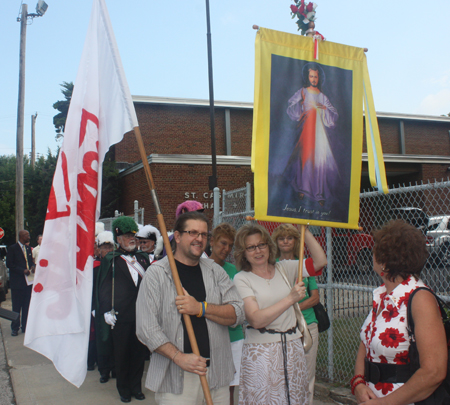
206 198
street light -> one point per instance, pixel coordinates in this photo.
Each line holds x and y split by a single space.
41 8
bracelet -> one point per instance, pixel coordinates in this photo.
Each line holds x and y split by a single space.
201 310
355 377
356 384
175 355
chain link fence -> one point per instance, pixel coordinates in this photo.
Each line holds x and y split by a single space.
236 206
347 283
138 216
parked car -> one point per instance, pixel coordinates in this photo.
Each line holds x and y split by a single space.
352 249
434 229
438 239
414 216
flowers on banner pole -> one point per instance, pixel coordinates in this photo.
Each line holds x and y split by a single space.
306 14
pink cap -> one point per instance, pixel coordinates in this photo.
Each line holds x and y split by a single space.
188 206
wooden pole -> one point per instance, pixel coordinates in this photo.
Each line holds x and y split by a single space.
301 253
173 266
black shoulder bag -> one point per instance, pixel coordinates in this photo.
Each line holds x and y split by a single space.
442 394
321 315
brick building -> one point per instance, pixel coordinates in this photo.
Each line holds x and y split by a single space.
176 136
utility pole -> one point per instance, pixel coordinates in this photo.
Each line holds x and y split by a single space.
33 140
213 178
41 8
20 121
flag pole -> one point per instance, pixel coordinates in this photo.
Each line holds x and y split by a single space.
301 253
113 310
173 267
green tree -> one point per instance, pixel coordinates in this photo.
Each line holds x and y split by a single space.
37 185
110 186
8 198
59 120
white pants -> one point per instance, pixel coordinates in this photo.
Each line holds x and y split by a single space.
236 350
193 393
311 356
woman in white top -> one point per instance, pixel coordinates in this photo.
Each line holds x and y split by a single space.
273 369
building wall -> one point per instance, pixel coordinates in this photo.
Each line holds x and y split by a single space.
430 138
241 132
185 129
435 171
168 129
175 184
389 134
421 137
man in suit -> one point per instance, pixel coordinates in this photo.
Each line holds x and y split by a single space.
105 362
119 279
20 262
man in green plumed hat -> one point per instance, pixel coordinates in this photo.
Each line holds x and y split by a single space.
118 282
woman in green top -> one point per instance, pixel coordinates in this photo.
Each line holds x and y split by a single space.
287 239
222 240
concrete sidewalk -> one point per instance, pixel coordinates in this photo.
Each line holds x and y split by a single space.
35 380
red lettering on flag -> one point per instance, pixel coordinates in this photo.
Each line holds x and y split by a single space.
85 117
52 209
65 175
87 187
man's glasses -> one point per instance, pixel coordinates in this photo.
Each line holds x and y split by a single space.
195 234
252 248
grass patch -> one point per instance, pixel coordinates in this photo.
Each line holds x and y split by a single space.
346 341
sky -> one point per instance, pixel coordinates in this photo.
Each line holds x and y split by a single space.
163 48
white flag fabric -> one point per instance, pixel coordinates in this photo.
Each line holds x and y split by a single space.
101 112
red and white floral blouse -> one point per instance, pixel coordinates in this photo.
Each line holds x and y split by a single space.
386 337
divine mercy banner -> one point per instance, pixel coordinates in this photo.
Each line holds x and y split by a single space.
308 131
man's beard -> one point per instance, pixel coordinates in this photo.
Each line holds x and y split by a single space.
147 249
129 248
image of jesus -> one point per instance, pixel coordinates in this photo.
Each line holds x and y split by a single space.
312 159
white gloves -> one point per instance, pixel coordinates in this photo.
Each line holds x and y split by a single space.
110 319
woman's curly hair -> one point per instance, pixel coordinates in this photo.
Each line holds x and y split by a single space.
401 248
239 245
287 230
224 229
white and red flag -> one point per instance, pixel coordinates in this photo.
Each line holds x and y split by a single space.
101 112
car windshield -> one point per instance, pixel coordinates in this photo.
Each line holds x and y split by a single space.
438 223
414 216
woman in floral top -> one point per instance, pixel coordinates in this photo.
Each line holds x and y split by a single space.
382 365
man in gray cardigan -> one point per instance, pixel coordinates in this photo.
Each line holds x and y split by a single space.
213 303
